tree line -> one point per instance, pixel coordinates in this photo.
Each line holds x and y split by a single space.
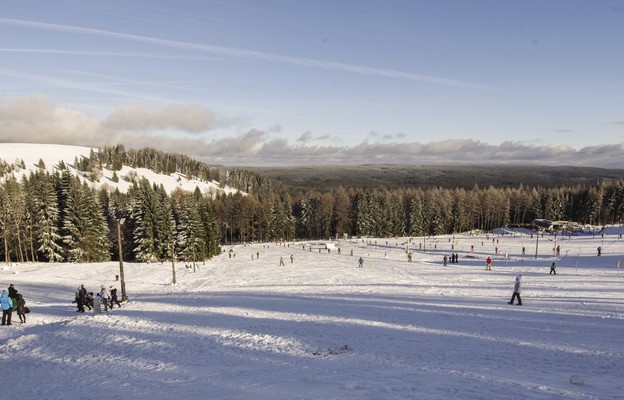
55 217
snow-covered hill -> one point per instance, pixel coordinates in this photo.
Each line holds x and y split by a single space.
52 154
243 327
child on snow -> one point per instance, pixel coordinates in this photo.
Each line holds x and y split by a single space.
114 300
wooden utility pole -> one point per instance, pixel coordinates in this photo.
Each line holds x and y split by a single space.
124 296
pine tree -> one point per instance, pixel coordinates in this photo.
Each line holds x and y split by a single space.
209 228
417 217
165 224
342 213
86 231
44 203
190 231
144 216
364 214
13 219
96 233
458 215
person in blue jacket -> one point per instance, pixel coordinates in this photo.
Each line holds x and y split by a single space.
7 308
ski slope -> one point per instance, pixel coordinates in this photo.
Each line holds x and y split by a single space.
243 327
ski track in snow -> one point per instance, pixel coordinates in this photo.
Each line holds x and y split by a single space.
321 328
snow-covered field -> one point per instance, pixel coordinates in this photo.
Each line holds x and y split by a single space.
245 327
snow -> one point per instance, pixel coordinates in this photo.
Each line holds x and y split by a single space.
52 154
243 327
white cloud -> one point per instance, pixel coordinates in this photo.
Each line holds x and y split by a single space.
35 119
188 118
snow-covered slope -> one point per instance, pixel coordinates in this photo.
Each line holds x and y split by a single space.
243 327
52 154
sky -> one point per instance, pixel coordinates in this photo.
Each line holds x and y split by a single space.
242 327
281 82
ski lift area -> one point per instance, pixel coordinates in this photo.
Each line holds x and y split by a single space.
323 245
553 226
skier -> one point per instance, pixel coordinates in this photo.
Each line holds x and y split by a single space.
292 258
445 260
281 261
553 267
599 250
488 265
361 262
516 292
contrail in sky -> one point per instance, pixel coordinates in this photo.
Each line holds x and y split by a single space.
242 53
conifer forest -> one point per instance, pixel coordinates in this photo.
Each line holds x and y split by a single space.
56 217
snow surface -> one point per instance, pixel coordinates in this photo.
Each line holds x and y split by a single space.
244 327
52 154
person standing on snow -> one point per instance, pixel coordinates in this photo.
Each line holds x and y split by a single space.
21 308
7 308
553 267
89 302
488 265
516 292
105 297
82 294
12 291
360 262
113 295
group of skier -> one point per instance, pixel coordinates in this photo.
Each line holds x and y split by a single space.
453 258
10 301
83 298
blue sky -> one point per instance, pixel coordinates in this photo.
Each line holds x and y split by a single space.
304 82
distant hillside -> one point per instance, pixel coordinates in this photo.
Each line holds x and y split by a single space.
457 176
20 159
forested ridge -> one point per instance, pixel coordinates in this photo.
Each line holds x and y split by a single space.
457 175
54 216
